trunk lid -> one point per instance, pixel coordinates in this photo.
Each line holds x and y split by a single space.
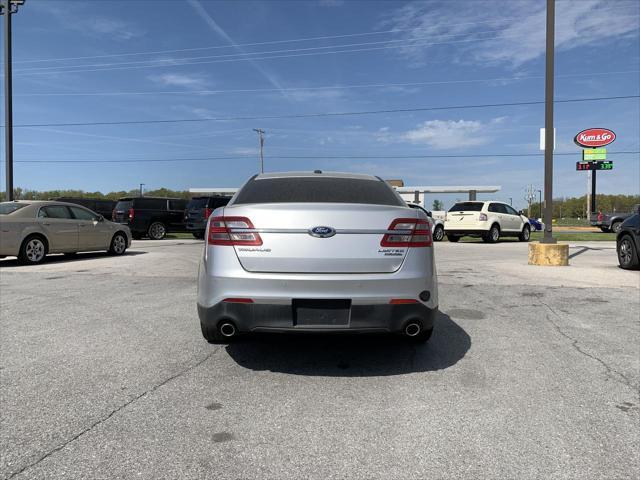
288 247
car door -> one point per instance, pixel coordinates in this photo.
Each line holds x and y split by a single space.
59 227
92 234
176 214
513 217
497 212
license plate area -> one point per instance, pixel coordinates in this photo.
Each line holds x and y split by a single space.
321 313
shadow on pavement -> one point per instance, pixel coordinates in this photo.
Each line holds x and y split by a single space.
352 355
59 258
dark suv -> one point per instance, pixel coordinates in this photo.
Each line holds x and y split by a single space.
151 216
103 207
198 211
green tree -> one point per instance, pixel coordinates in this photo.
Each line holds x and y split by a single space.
438 205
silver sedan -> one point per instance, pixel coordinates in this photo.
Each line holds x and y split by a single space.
32 229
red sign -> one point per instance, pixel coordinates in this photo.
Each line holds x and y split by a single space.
594 137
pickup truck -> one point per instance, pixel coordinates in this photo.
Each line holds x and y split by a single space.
611 222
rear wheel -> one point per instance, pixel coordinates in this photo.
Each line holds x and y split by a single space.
118 244
526 234
627 253
615 227
157 231
493 235
33 250
438 233
453 238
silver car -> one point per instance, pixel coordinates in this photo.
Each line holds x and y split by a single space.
317 252
32 229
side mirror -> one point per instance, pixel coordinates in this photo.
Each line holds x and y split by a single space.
520 212
100 218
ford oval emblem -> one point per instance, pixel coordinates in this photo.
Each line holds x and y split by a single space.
322 232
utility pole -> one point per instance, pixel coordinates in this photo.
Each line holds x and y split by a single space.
260 133
548 125
8 8
540 200
141 189
529 197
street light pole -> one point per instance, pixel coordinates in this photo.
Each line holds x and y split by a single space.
260 133
548 125
141 190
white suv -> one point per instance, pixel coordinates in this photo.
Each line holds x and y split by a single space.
489 220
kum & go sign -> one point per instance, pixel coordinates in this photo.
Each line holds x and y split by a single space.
594 137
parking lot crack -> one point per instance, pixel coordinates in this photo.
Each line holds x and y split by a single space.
609 371
112 413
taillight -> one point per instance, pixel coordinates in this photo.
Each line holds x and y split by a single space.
412 232
600 216
207 213
113 215
132 213
402 301
231 231
483 217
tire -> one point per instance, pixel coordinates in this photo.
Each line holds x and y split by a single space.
157 231
627 253
438 233
526 234
453 238
605 229
33 250
615 226
198 235
493 235
118 244
213 335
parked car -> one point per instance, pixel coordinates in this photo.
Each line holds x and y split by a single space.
611 222
317 252
536 224
31 230
103 207
151 216
437 225
628 242
489 220
198 211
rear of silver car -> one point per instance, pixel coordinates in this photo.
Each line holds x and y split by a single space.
317 253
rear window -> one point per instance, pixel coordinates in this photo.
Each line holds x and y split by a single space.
467 207
9 207
124 205
196 203
318 190
150 203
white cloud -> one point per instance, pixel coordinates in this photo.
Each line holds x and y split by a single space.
444 134
179 80
513 32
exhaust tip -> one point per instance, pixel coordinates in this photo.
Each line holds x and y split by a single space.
412 329
228 329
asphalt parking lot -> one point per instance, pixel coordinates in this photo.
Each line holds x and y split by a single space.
532 372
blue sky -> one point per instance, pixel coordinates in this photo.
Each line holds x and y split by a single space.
92 61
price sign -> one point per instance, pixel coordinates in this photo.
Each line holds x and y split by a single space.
594 154
597 165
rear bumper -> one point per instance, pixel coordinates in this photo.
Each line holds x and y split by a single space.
466 231
281 318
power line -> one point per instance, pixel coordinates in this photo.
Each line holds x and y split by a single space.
318 157
271 42
324 87
269 52
321 114
178 62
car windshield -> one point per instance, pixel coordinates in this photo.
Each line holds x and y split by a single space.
318 190
467 207
7 208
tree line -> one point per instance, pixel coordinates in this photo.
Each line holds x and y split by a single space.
20 194
576 207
